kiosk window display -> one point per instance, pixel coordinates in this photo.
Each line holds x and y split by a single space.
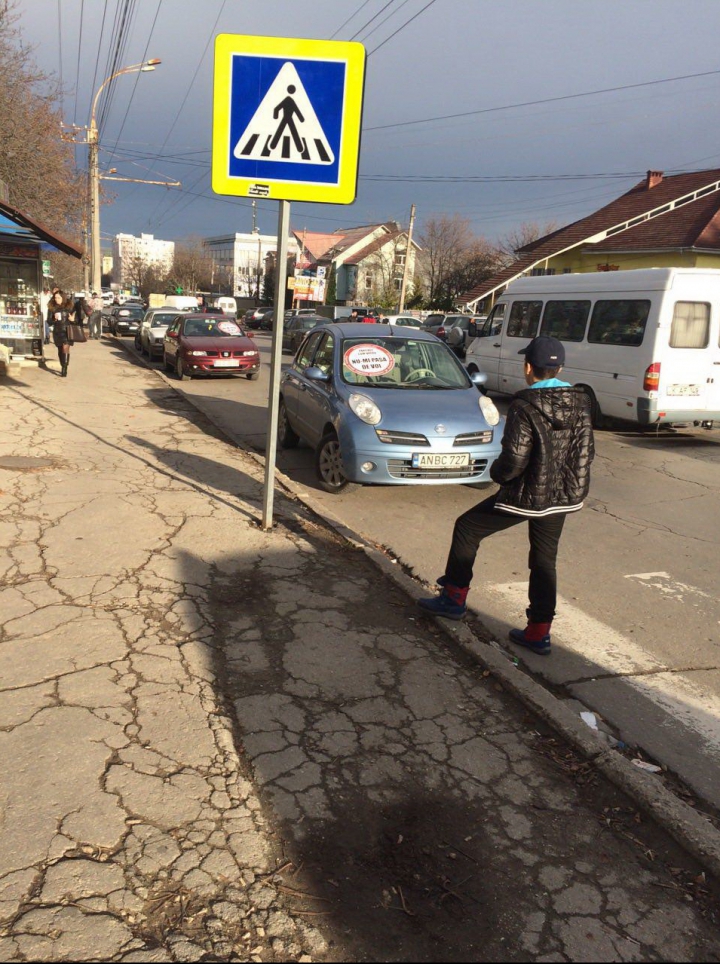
21 327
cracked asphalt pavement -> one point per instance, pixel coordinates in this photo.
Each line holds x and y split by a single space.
219 743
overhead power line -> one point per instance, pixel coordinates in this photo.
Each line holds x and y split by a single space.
77 72
407 23
137 76
352 15
384 20
374 17
544 100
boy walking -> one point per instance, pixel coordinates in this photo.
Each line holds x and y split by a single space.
544 473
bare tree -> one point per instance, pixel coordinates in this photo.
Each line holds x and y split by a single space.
453 259
37 165
192 268
66 272
146 276
529 231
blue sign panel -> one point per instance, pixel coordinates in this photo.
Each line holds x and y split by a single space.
290 129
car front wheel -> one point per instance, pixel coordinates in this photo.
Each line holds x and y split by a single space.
329 464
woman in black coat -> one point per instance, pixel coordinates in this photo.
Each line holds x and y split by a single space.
60 315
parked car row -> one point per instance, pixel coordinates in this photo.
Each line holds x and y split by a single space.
386 403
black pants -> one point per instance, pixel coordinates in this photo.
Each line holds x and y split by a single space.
544 533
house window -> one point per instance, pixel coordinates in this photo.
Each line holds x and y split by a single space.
368 281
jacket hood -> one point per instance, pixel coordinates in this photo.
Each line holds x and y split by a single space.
560 406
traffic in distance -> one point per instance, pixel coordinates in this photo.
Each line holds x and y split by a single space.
401 400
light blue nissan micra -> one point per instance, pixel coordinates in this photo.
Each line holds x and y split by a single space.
387 405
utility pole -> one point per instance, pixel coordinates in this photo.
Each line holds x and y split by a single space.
86 259
406 266
95 255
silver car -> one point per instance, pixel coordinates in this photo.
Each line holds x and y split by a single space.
149 340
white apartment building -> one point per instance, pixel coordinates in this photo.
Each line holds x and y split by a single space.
239 260
152 251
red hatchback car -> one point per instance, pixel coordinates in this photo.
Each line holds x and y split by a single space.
199 344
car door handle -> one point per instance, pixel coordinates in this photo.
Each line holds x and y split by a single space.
497 344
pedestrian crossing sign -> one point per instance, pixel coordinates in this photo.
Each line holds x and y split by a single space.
286 118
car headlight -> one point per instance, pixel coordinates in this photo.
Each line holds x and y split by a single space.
489 410
365 409
197 353
250 353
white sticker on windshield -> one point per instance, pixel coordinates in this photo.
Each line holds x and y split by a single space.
229 327
369 360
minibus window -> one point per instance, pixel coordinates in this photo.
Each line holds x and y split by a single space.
524 319
619 322
690 325
565 320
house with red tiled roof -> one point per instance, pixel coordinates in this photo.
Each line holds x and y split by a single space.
661 222
368 260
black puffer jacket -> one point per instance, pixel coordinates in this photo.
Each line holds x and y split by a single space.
547 448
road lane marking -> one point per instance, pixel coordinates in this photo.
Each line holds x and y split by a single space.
668 586
610 653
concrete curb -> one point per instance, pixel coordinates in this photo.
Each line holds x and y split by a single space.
688 827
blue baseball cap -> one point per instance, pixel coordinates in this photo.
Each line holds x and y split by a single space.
544 352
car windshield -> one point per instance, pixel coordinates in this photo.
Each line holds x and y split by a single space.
133 313
210 328
401 363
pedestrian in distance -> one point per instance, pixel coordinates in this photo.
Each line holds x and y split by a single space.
62 314
95 319
544 473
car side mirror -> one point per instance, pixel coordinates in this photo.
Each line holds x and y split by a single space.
171 334
316 374
478 378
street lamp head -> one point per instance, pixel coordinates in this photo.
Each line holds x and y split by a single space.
145 69
153 62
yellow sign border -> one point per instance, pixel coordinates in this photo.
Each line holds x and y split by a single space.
352 54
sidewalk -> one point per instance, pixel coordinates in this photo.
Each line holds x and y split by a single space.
219 743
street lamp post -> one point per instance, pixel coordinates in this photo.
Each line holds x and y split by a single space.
93 147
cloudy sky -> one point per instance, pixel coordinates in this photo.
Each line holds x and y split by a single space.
563 104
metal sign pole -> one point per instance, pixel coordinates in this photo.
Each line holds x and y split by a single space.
275 363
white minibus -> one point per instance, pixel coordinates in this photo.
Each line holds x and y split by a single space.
645 344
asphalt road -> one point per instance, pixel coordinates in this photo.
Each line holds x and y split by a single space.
637 636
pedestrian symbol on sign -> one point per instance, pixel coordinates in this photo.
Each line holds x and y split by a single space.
285 126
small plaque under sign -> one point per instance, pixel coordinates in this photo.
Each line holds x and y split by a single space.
259 190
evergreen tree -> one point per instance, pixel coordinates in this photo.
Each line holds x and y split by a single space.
331 288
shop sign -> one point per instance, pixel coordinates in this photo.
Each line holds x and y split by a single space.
18 251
